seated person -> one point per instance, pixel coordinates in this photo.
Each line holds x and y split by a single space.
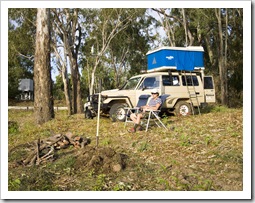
153 104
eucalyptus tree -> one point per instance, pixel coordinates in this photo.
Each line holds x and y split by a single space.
127 52
43 98
174 20
21 43
61 64
215 30
68 29
166 23
222 54
232 20
106 24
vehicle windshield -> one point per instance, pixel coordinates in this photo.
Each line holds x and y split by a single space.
131 84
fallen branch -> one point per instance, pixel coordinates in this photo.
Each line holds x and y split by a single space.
44 149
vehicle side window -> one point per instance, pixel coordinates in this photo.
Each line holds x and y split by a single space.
167 80
208 82
150 83
190 79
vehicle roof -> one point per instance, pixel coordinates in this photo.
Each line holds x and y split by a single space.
150 74
159 73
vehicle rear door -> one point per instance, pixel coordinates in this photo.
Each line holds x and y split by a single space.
209 89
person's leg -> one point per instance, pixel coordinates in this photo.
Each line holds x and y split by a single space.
136 119
133 117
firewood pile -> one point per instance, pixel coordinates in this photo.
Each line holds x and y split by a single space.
45 149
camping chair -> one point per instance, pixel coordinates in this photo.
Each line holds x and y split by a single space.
142 101
153 115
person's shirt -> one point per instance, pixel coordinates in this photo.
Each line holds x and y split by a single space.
153 102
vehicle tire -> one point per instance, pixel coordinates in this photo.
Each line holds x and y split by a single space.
117 112
88 114
182 108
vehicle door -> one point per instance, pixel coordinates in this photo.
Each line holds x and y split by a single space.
209 89
172 85
129 90
148 83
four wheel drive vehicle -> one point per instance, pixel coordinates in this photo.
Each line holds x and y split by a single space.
187 89
176 71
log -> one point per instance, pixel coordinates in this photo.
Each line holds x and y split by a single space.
29 158
69 135
66 142
33 160
78 138
48 153
53 140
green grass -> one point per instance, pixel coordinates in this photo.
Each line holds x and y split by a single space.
203 152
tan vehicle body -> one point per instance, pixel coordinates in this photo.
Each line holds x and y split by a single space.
174 84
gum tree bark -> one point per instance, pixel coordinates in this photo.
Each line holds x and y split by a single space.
43 102
222 65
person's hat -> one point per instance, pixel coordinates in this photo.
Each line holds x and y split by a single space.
155 91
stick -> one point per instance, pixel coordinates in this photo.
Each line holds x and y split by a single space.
98 118
51 150
37 152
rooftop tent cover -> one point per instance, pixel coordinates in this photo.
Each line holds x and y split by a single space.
177 58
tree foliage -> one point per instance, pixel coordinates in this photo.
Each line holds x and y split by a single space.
120 39
220 32
21 40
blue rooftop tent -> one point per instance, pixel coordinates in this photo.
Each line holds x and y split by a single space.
175 58
185 59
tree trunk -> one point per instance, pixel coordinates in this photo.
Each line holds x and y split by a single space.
62 67
225 60
71 43
185 26
78 98
74 84
67 89
188 34
222 67
43 102
209 49
168 29
66 84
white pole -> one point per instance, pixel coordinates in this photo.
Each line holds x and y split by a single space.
98 118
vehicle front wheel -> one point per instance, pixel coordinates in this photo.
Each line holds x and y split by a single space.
88 114
182 109
118 112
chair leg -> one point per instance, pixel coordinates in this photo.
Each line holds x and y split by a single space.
162 124
148 121
127 120
157 120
